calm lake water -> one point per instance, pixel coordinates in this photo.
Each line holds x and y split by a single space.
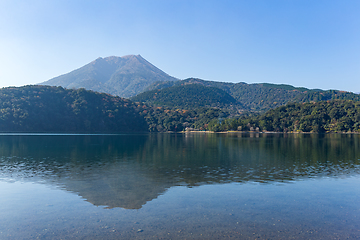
180 186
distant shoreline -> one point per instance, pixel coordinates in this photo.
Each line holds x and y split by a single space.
271 132
186 132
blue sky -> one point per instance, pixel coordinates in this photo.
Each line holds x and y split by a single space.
305 43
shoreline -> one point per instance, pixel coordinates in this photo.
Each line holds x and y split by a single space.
268 132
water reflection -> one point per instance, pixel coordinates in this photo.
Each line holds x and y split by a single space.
128 170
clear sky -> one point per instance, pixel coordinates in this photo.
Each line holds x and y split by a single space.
305 43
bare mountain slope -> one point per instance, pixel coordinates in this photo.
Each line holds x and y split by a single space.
122 76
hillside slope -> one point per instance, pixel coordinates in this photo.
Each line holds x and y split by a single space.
188 96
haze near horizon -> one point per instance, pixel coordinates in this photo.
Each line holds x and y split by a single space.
312 44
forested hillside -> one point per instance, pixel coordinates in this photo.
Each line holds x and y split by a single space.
55 109
188 96
320 117
262 97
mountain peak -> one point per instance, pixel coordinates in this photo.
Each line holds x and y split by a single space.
130 56
124 76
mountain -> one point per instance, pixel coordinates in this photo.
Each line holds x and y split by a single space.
187 96
131 75
261 97
121 76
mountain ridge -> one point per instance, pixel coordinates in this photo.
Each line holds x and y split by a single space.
260 97
131 75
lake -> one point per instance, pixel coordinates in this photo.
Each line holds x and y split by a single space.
180 186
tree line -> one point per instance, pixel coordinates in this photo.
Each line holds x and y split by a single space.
318 117
55 109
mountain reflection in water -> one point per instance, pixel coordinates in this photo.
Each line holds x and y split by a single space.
129 170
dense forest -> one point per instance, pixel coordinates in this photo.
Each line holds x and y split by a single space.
163 119
55 109
319 117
